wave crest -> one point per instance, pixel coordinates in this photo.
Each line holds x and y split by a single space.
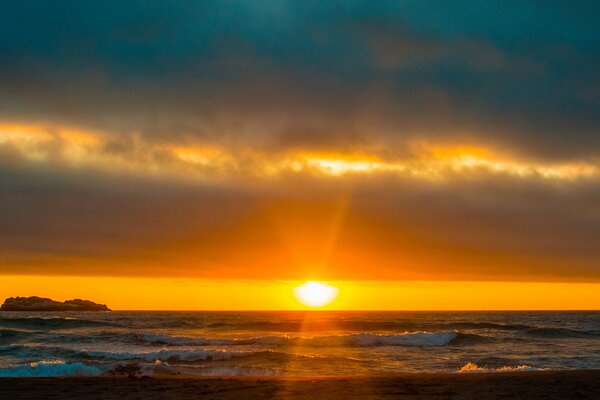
168 355
50 368
472 367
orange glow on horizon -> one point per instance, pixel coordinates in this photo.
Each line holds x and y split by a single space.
315 294
196 294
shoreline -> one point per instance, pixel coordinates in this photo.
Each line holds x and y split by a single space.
551 384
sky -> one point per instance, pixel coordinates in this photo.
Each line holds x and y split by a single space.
245 142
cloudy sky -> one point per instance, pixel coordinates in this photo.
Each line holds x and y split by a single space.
351 140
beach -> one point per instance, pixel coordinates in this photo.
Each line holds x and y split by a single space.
581 384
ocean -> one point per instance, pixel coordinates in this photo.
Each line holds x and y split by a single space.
295 343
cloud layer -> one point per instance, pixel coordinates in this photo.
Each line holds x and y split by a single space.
287 139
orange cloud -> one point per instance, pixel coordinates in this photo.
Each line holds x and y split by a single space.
39 143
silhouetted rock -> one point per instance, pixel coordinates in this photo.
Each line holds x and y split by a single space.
35 303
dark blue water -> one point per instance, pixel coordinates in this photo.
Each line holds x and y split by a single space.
296 343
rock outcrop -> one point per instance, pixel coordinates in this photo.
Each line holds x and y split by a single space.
35 303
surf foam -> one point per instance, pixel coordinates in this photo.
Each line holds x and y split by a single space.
472 367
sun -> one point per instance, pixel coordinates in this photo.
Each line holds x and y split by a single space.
315 294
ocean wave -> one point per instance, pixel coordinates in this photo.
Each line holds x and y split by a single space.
471 338
362 339
35 323
202 356
316 326
308 326
562 333
408 326
472 367
168 355
352 340
27 352
373 340
365 339
58 368
6 333
8 336
162 368
484 325
373 326
167 340
50 368
34 352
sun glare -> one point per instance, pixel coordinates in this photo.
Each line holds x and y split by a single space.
315 294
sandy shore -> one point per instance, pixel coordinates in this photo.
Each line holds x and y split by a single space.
515 385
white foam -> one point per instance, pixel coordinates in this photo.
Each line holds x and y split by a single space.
474 368
49 368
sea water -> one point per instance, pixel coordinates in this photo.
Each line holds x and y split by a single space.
295 343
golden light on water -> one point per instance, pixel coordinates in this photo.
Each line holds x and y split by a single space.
315 294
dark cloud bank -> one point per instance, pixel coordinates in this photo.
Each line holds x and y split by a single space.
279 76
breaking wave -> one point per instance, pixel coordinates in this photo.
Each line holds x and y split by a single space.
38 352
50 368
167 355
348 340
164 355
472 367
56 368
352 340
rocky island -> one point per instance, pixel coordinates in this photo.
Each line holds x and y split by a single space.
35 303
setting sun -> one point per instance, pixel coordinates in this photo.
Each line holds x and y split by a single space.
315 294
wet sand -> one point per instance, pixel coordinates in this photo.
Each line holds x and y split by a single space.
513 385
